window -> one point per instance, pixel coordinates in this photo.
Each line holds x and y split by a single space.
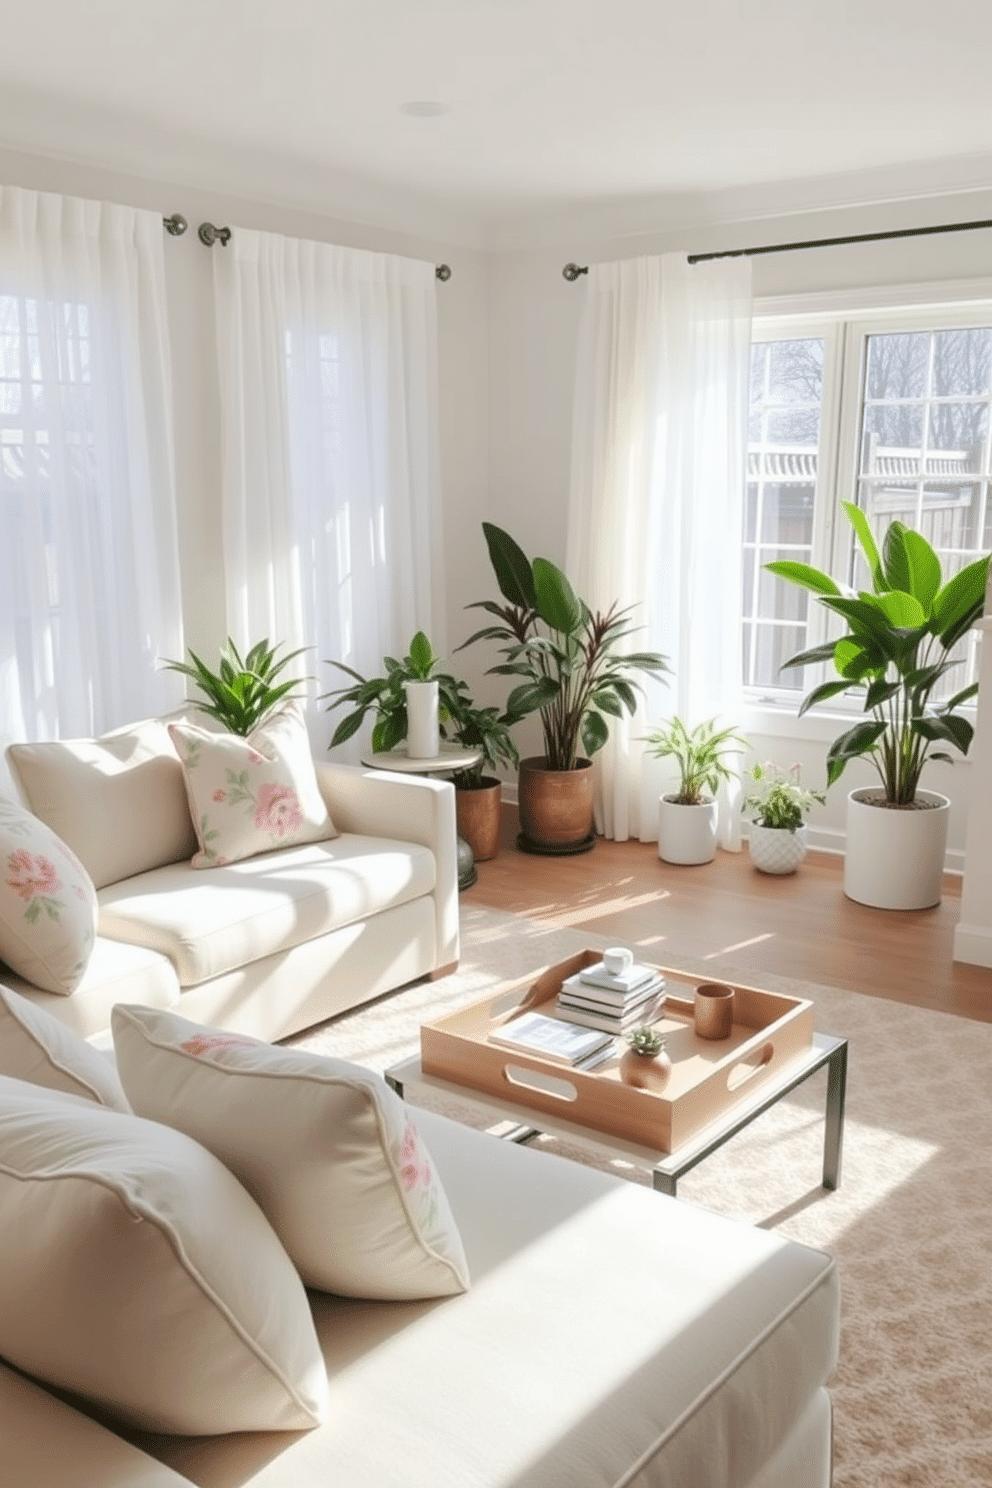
893 413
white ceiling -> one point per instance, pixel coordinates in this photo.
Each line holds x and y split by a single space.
663 112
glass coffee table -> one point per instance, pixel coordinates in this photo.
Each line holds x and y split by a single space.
666 1168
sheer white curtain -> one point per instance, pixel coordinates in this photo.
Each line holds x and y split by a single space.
332 524
89 570
656 499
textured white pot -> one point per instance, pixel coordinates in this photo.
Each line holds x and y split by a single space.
894 857
423 740
686 834
776 849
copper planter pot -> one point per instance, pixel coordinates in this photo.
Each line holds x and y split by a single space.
477 814
555 807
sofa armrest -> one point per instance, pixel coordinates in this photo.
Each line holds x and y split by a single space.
411 808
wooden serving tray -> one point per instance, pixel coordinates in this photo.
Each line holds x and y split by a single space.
770 1029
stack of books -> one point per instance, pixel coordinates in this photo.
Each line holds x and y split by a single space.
613 1002
554 1039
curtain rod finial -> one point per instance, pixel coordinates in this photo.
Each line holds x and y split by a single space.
571 272
209 235
175 225
442 272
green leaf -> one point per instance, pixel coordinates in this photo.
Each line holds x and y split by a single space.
556 602
824 652
821 694
911 566
803 575
421 656
595 733
511 567
347 727
866 538
902 608
959 604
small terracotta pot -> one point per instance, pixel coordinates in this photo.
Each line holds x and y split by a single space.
713 1010
478 819
645 1071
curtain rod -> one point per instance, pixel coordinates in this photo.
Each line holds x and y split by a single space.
176 225
571 271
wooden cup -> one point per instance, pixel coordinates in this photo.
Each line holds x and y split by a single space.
713 1010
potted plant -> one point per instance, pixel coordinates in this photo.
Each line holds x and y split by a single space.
574 671
478 792
687 818
897 647
243 691
407 702
779 803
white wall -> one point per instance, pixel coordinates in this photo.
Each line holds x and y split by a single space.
534 320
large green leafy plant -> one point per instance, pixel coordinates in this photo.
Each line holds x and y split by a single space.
897 648
572 661
243 691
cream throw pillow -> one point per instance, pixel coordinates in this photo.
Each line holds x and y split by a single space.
48 907
118 801
250 795
43 1050
329 1151
138 1274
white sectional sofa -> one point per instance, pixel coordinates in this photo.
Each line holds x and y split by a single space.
265 946
610 1336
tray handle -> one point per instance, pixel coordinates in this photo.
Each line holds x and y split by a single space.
541 1081
746 1069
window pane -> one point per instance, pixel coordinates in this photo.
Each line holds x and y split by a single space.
897 365
962 362
783 466
925 449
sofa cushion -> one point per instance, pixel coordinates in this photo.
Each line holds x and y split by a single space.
48 908
611 1336
211 923
330 1153
117 972
139 1274
118 801
39 1048
250 795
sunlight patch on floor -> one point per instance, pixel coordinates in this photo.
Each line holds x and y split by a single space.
578 914
739 945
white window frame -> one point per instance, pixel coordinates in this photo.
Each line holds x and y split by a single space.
844 322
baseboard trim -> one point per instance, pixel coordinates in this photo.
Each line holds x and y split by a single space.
973 944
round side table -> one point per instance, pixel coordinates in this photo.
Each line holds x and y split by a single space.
449 757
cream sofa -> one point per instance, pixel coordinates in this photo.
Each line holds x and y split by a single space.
610 1336
265 946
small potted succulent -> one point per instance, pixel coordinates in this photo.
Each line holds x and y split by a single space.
645 1062
778 804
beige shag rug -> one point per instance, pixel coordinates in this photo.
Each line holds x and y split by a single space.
910 1225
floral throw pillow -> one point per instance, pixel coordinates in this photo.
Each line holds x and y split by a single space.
251 795
331 1155
48 905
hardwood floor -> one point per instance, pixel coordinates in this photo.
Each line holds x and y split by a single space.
798 925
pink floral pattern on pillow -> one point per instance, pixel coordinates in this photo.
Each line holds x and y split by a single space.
417 1176
251 795
48 908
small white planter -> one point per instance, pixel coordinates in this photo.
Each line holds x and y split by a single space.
686 834
894 858
776 849
423 739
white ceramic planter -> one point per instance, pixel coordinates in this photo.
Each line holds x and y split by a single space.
423 739
776 849
894 858
686 834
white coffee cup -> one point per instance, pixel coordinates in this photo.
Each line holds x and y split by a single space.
618 960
